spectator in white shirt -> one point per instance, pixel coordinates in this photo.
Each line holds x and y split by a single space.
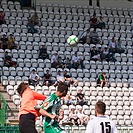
83 118
84 37
54 60
112 46
34 78
76 61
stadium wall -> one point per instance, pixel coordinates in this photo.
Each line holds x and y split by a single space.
103 3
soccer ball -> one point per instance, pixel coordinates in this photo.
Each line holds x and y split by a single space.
72 40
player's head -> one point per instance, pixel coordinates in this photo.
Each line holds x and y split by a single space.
100 108
22 87
62 89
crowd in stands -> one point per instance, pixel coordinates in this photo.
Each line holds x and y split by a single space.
107 53
7 42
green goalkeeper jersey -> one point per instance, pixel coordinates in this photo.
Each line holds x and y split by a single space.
52 105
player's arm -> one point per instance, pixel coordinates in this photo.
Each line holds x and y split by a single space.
46 114
38 96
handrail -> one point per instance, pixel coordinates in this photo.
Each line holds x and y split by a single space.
3 110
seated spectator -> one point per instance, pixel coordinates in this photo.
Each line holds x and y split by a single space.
68 100
61 63
93 21
108 56
83 118
102 80
94 38
84 37
119 47
34 78
69 79
43 52
94 54
73 117
47 78
35 19
4 42
112 46
31 28
8 61
59 78
2 19
101 23
80 98
62 118
54 60
76 61
67 63
11 42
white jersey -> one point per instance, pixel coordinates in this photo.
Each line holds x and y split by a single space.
101 124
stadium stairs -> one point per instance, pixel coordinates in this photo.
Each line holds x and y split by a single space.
12 110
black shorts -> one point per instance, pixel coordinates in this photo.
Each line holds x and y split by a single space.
27 123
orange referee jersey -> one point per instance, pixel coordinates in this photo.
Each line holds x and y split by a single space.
29 100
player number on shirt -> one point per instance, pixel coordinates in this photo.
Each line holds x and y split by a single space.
106 128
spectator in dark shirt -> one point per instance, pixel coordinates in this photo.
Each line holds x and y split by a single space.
8 60
43 52
4 42
93 21
2 19
80 98
94 54
47 78
31 28
69 79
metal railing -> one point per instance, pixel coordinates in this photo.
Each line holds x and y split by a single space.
3 110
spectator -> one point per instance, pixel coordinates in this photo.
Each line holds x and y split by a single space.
93 21
31 28
34 78
68 100
54 60
73 117
61 63
60 77
84 37
67 63
108 56
35 19
43 52
102 80
119 47
112 46
76 61
47 78
62 118
101 23
11 42
83 118
69 79
8 61
80 98
94 54
94 38
4 42
2 19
